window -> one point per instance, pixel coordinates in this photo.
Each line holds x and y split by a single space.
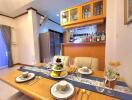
3 52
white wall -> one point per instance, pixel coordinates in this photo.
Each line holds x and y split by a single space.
50 25
34 23
23 36
118 39
10 22
27 38
7 21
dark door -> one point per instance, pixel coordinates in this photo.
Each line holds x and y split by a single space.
55 42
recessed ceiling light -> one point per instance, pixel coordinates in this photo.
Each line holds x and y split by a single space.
57 15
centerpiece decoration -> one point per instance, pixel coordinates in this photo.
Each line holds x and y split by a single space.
111 74
58 70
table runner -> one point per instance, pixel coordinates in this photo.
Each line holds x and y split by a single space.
87 82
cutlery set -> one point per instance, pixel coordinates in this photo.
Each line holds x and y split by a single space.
81 94
37 78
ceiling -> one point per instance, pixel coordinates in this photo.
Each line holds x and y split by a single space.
9 6
46 7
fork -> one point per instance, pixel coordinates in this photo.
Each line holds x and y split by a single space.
37 79
88 93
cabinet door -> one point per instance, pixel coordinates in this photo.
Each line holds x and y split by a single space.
52 44
57 40
65 17
74 14
98 7
44 46
87 11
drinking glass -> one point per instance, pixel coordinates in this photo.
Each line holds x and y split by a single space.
100 85
79 76
45 61
51 60
47 73
71 62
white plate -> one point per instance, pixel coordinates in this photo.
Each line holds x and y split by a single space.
61 76
53 68
21 79
63 95
82 72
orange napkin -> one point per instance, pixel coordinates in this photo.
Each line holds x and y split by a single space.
68 69
71 69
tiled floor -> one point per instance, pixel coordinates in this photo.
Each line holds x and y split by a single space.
9 93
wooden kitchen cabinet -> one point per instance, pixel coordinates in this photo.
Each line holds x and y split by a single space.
91 12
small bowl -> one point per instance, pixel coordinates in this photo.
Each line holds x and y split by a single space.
85 69
62 86
25 74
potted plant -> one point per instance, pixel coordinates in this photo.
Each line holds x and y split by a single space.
111 75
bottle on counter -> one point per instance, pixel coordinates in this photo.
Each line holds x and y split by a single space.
95 37
98 37
86 37
103 36
90 37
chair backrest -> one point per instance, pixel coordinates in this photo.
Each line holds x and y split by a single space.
64 59
86 61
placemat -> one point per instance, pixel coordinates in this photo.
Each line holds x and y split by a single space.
88 82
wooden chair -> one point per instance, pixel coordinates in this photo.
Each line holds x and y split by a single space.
86 61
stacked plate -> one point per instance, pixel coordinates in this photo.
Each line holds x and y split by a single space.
22 79
59 94
55 73
82 71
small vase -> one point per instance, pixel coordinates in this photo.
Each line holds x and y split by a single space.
110 83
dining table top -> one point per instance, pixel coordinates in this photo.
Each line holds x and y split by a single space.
40 90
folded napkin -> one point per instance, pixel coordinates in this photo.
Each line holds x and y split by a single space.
71 69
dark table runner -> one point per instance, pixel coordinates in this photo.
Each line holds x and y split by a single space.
116 94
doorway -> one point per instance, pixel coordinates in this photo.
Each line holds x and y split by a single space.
3 53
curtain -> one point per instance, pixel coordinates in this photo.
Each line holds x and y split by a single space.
6 32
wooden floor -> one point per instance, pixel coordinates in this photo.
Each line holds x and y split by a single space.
9 93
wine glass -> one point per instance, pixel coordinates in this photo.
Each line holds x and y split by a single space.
100 85
79 76
71 62
51 60
45 61
47 73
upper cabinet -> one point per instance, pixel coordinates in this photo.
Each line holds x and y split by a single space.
91 12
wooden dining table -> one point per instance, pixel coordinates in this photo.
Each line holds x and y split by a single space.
40 90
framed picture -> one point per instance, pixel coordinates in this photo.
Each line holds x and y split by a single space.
128 11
